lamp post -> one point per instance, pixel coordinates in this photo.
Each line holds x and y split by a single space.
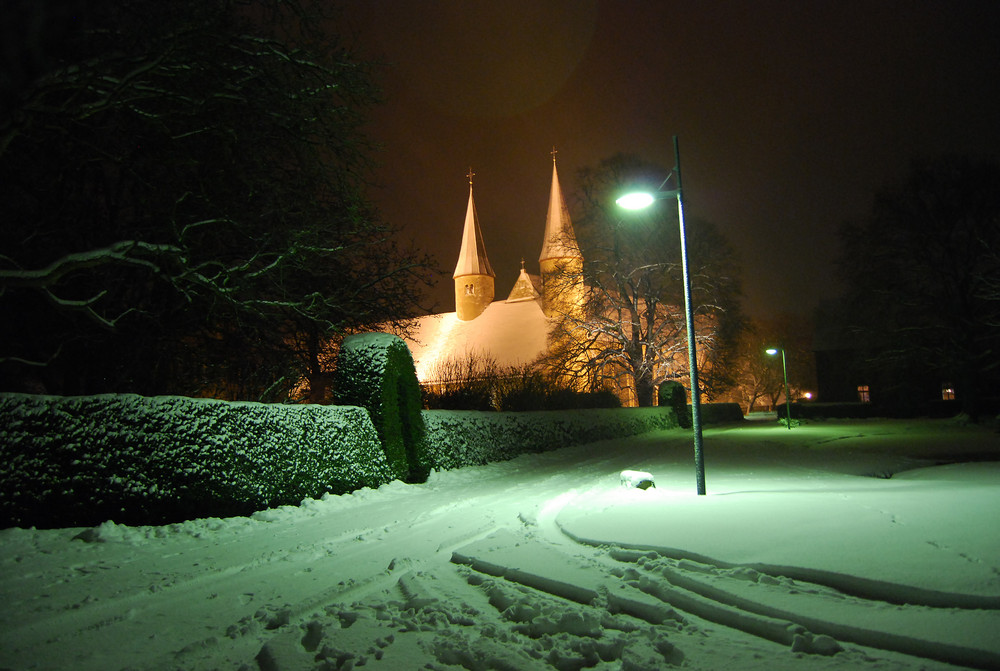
636 201
784 371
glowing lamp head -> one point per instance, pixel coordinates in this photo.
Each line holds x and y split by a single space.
636 201
772 350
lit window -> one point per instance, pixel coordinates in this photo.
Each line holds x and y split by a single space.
947 393
863 394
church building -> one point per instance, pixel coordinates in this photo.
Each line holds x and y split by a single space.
512 332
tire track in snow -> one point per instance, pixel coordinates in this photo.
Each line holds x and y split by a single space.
517 607
446 520
365 602
681 585
865 622
541 619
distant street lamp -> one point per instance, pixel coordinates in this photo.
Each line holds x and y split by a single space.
636 201
784 370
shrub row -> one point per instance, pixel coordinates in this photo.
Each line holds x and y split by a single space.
718 413
518 400
71 461
136 460
457 438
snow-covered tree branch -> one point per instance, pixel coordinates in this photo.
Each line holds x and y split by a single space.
182 188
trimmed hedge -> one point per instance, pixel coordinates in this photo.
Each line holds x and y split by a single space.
71 461
375 371
137 460
457 438
718 413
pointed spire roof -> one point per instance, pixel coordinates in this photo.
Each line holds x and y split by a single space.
472 255
524 288
560 240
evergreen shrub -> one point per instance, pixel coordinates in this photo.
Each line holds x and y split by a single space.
672 394
375 371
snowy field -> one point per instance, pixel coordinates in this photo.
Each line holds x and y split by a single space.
836 545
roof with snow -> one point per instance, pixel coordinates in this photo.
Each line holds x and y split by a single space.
525 288
511 333
472 255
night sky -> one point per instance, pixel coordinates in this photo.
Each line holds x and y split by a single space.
790 115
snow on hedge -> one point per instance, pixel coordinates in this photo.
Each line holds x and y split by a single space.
375 371
78 461
148 460
457 438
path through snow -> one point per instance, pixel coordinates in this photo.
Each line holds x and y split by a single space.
804 555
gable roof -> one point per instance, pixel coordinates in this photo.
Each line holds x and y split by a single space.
512 334
525 288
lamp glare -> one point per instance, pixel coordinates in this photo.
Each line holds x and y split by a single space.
636 201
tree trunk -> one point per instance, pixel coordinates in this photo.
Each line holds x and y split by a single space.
645 391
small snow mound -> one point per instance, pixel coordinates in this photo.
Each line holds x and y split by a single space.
372 339
109 532
394 486
637 479
816 644
270 515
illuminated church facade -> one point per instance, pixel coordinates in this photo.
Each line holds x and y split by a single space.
511 332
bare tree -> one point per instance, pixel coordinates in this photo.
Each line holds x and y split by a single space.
630 331
756 375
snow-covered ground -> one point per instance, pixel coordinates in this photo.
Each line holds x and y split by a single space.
805 554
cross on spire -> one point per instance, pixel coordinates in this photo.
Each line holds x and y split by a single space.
470 175
554 152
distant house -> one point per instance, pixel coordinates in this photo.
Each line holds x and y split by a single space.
841 376
846 374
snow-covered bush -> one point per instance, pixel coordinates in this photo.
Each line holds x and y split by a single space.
70 461
375 371
477 381
552 397
458 438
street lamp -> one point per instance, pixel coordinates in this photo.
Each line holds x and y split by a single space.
784 371
636 201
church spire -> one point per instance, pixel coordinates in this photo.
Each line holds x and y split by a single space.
474 277
560 240
472 258
560 261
